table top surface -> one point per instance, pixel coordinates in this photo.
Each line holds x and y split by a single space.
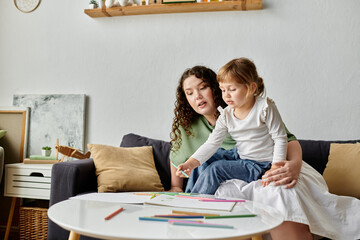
86 217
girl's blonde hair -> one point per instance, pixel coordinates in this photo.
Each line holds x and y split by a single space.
243 71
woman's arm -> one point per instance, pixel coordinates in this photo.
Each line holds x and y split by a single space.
176 182
286 172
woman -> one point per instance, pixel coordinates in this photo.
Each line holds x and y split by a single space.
198 96
306 204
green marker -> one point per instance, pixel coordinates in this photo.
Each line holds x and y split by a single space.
180 170
166 193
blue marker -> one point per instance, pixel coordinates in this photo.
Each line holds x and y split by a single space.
180 170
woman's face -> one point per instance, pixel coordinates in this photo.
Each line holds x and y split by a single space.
200 97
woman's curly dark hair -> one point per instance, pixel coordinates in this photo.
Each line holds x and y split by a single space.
185 115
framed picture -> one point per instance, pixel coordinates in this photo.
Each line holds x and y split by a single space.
15 121
52 117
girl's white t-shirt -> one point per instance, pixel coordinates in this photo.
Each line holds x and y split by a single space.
261 136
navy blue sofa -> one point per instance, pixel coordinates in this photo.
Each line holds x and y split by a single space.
78 177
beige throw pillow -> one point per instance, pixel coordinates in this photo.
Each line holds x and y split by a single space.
342 170
2 133
125 169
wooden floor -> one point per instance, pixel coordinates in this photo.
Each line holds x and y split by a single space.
14 233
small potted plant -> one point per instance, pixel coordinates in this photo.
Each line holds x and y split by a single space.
93 4
46 151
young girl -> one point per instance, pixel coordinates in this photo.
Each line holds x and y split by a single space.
251 120
197 98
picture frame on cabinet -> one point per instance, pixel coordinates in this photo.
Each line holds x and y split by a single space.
15 121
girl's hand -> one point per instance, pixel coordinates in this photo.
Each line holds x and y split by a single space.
282 173
184 167
187 167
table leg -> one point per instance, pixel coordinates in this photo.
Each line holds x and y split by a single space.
11 214
74 236
258 237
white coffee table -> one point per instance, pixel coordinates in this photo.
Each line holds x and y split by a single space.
84 217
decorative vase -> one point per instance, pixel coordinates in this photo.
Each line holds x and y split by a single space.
92 6
46 153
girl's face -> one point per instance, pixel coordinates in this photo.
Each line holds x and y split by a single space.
237 95
200 97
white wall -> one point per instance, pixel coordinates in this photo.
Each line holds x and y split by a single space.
308 53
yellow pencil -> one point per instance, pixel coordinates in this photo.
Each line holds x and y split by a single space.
195 213
143 193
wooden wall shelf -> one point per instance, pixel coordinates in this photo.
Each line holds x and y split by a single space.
240 5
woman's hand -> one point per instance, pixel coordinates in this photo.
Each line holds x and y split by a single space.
187 167
265 180
175 189
285 172
282 173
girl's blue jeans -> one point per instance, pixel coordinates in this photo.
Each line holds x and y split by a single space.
224 165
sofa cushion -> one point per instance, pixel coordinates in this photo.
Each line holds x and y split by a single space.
125 169
161 151
316 152
2 133
342 171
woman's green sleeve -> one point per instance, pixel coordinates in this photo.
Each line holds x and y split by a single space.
290 136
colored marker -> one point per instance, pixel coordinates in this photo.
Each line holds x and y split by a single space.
157 193
198 224
143 193
180 216
191 197
231 216
154 219
186 194
180 170
194 213
169 193
158 219
220 200
114 214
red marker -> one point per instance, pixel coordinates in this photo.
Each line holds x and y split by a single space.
114 214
